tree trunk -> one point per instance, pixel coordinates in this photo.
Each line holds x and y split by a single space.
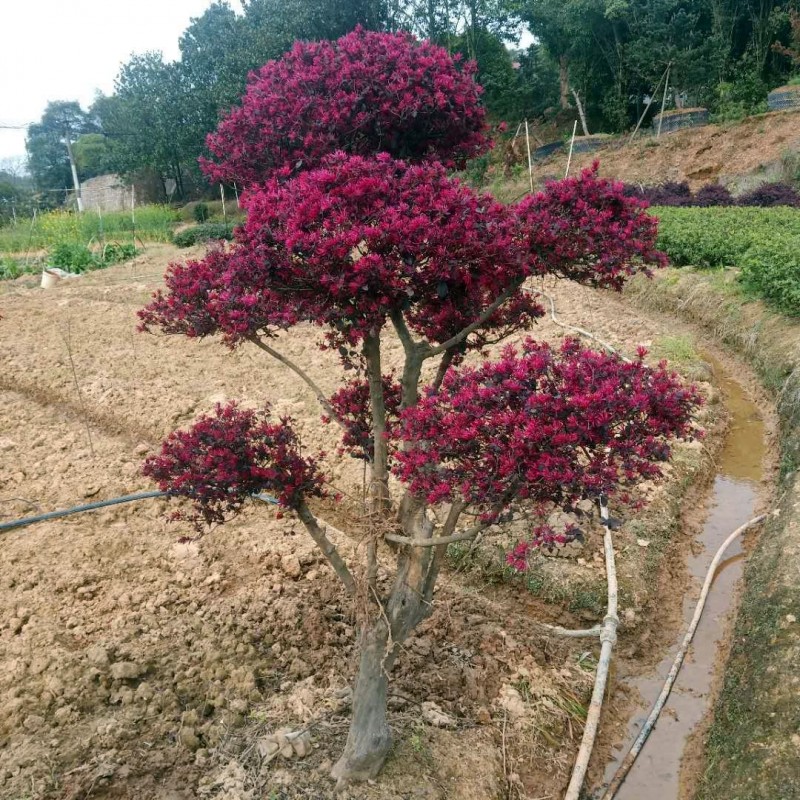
581 113
369 738
432 20
563 82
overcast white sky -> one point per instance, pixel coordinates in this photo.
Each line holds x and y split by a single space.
68 49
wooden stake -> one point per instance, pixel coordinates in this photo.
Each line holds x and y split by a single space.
649 103
530 162
571 145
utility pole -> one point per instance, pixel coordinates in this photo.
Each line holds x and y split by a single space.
74 168
663 102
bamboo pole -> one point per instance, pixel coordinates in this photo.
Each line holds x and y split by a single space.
530 161
608 637
571 145
649 103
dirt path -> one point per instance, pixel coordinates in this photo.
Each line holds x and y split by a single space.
135 665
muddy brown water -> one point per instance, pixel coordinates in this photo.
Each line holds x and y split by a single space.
656 773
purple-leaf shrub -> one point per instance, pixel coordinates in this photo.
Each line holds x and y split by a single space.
224 458
550 427
713 194
770 194
352 242
365 93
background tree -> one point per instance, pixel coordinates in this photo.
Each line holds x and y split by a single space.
93 155
46 144
149 120
612 53
365 246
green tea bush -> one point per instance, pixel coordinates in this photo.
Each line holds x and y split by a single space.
763 242
705 237
772 271
203 233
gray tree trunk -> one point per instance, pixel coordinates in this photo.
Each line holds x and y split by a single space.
369 738
563 82
410 601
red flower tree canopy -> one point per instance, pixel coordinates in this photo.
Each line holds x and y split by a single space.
365 93
549 427
350 243
223 459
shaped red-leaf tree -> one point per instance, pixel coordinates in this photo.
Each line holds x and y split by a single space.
364 93
368 247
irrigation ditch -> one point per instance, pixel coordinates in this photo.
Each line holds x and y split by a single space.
752 749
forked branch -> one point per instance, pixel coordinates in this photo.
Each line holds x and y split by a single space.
473 326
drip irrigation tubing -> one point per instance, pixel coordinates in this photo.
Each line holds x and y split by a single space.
625 767
608 638
114 501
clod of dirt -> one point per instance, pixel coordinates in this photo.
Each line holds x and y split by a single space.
510 700
97 655
433 715
127 671
290 565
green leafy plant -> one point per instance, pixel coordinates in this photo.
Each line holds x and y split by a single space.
72 257
201 212
771 269
763 242
10 268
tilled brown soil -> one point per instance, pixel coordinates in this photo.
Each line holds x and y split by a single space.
727 153
135 664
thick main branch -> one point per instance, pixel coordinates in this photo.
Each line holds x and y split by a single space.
379 487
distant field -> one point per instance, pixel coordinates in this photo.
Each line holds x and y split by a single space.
152 223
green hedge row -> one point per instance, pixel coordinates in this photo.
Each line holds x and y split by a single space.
206 232
763 242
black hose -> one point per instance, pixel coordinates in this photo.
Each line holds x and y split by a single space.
128 498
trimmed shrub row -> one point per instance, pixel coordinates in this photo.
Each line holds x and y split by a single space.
677 195
763 243
203 233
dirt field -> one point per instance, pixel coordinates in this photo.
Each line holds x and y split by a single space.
134 664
